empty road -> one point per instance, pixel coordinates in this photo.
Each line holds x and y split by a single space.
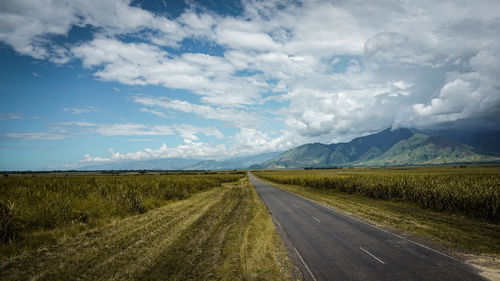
334 246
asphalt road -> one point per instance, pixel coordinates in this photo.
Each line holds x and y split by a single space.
334 246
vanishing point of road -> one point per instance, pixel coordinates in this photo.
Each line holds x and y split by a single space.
333 246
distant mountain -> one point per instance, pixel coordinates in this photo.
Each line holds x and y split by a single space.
423 149
184 164
486 141
339 154
389 147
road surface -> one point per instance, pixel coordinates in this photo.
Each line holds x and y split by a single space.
333 246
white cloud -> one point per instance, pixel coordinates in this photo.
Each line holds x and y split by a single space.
10 116
31 136
190 132
155 112
251 141
237 116
142 140
246 142
384 42
63 130
189 149
144 64
131 129
76 110
246 40
135 129
25 24
453 98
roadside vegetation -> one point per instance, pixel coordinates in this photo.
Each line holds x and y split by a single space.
215 231
473 192
455 209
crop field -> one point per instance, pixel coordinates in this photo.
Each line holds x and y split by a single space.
47 201
143 227
471 191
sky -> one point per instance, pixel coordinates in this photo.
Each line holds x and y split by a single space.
84 82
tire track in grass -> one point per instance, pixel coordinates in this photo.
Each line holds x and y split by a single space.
189 257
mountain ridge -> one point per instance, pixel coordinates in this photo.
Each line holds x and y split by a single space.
402 146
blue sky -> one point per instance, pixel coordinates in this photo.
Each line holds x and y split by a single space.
87 82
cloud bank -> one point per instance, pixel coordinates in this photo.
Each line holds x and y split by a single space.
324 70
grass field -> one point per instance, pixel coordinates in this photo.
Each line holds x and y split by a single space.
40 209
217 232
463 234
473 191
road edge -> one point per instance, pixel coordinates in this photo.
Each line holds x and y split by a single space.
292 251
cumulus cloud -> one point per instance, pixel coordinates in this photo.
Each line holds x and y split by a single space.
465 95
145 64
25 25
453 98
245 142
323 70
189 149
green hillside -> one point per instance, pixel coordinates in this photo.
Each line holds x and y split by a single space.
424 149
389 147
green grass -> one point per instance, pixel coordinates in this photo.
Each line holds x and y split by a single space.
221 233
456 230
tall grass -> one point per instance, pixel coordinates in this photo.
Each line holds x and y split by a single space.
475 193
31 202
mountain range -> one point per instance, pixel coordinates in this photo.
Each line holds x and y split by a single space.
390 147
184 164
394 148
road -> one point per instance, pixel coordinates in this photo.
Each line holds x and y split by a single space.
333 246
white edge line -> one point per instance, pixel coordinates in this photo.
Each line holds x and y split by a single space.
372 255
386 231
303 262
316 219
369 224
